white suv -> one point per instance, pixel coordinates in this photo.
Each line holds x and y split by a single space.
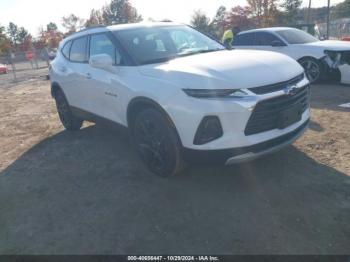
182 95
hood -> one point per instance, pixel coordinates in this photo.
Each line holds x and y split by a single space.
333 45
225 69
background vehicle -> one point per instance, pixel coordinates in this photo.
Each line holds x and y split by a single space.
319 58
3 69
180 93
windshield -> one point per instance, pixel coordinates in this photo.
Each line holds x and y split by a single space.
295 36
159 44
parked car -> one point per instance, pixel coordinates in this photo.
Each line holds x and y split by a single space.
3 69
319 58
181 94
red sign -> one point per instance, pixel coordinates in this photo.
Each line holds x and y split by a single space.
29 55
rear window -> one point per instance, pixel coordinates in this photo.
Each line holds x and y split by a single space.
78 50
295 36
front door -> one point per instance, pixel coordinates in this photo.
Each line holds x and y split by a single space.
104 87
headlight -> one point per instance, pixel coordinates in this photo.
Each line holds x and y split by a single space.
214 93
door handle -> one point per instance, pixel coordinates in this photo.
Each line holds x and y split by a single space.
88 75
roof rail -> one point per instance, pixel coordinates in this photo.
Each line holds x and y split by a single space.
91 27
87 28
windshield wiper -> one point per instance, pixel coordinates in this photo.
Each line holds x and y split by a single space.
166 59
158 60
201 52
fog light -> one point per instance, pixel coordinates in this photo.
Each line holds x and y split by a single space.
208 130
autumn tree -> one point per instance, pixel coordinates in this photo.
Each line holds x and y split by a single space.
12 32
2 31
201 22
51 27
120 12
95 18
72 23
239 16
26 43
219 21
291 8
17 35
341 10
5 44
49 38
22 35
264 11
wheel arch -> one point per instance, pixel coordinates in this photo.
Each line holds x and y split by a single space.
309 57
54 88
138 104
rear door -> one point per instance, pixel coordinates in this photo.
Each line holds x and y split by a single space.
264 41
76 70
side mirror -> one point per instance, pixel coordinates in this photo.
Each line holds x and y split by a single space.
277 43
102 61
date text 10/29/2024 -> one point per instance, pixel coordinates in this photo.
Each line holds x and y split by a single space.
173 258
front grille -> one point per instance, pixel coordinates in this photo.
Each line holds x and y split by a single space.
267 113
276 87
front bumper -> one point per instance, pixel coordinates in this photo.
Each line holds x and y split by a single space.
247 153
234 114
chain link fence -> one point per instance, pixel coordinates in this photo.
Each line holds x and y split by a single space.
338 29
25 65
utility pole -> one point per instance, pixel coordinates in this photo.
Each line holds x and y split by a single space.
308 13
328 13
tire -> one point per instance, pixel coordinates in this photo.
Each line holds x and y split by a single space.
157 143
68 120
313 69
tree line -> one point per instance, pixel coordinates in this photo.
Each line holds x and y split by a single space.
265 13
256 13
14 38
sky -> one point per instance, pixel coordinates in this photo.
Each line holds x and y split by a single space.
35 13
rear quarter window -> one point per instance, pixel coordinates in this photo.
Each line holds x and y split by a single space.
66 48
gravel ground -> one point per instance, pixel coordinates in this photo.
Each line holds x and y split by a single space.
87 192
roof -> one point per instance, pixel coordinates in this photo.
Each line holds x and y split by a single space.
268 29
101 28
140 25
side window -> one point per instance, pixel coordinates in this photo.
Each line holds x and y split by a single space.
265 39
245 39
101 44
66 48
78 50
